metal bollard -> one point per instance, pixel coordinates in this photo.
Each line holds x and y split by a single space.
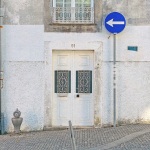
73 143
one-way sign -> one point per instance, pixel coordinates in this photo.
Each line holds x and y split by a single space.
115 22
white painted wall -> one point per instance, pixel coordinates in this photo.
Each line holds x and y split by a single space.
24 89
132 68
133 82
23 63
24 85
23 42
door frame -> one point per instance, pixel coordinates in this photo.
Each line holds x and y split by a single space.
76 46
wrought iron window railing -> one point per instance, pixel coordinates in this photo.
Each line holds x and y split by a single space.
77 15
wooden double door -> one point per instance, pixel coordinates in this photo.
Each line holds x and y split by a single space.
72 88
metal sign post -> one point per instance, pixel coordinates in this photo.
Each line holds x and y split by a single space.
114 79
114 23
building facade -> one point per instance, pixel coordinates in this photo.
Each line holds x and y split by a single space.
58 63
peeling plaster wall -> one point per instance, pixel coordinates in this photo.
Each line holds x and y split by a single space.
136 12
24 12
32 12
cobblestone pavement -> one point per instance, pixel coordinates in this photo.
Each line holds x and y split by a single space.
129 137
140 143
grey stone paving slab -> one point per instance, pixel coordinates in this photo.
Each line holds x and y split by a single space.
60 140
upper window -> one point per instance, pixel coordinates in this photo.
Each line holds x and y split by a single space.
73 11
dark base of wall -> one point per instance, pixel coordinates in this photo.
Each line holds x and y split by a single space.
64 128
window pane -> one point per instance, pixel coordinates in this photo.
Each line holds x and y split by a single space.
87 3
63 3
58 1
83 3
67 3
59 4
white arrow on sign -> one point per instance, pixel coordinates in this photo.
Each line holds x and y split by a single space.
112 22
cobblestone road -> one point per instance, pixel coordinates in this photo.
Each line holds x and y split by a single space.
140 143
128 137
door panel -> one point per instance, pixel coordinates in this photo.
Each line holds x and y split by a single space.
62 65
72 96
63 110
84 103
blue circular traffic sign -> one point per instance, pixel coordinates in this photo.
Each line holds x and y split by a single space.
115 22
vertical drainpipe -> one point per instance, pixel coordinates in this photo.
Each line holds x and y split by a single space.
1 26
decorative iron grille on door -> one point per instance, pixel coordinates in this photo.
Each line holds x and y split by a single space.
84 81
62 81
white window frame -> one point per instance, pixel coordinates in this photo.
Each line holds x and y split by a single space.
72 11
